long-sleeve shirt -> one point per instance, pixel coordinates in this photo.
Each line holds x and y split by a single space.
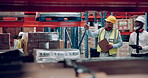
107 36
143 42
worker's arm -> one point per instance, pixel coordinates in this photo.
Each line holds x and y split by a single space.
119 42
146 41
91 34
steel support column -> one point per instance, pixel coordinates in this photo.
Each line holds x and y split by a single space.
60 32
95 20
86 37
72 36
76 37
79 39
103 17
65 38
47 29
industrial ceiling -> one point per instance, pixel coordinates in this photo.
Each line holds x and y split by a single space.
74 5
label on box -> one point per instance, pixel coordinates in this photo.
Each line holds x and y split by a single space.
43 56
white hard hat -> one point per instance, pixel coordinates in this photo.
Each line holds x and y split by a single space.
141 19
21 33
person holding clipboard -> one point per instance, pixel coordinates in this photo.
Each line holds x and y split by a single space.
138 40
109 39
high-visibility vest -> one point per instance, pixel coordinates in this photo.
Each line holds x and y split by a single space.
20 43
112 39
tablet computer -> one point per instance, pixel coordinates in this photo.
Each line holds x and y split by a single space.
133 46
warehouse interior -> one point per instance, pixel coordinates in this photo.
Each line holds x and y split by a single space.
56 44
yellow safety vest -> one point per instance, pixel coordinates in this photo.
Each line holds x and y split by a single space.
112 39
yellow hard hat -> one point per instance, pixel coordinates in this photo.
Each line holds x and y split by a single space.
111 19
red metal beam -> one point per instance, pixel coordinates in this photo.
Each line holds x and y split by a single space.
41 24
125 33
128 13
81 1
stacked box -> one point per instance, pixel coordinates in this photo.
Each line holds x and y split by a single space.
124 24
43 36
54 36
39 29
44 45
47 36
55 55
43 40
54 44
1 30
123 51
91 42
61 44
5 41
29 29
31 37
31 46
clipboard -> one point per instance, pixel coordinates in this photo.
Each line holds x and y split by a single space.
103 45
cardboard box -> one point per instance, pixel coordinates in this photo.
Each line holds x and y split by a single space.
35 45
32 46
54 44
61 44
5 41
1 37
1 30
5 46
124 24
28 29
123 51
43 45
55 55
31 37
6 38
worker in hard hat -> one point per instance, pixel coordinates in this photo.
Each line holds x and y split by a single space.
112 35
138 40
21 42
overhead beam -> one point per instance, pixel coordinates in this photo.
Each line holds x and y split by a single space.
74 5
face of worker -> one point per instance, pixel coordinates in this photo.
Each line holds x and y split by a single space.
138 25
108 26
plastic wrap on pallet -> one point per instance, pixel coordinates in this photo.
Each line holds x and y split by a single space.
43 45
55 55
54 36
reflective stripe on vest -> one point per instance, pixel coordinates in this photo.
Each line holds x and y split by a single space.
112 39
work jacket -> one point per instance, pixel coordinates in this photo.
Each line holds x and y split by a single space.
143 42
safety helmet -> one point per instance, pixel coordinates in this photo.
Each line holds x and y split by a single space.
141 19
111 19
20 33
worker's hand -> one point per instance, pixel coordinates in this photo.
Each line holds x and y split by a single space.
109 46
86 26
139 47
